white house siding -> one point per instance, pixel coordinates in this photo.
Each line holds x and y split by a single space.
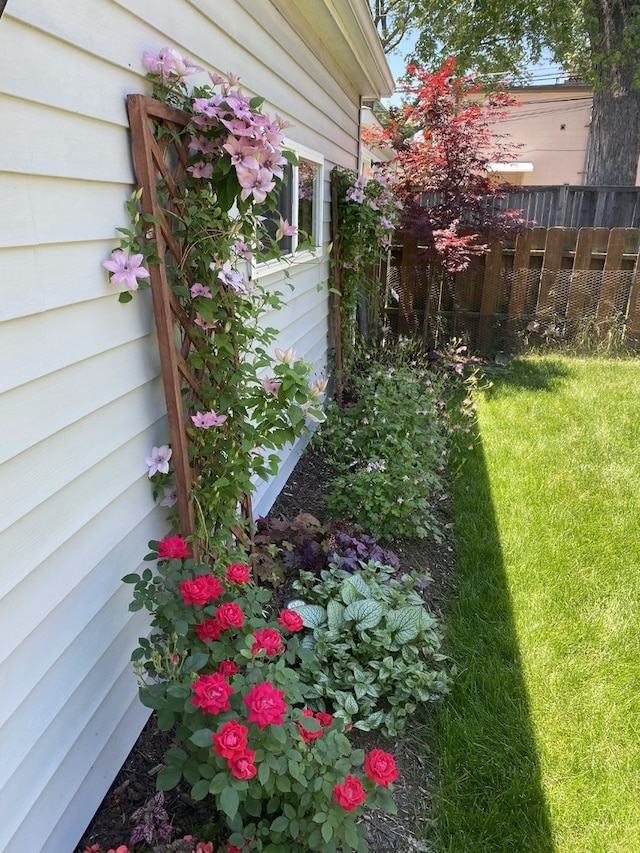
81 400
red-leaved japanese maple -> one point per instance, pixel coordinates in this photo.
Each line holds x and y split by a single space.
445 138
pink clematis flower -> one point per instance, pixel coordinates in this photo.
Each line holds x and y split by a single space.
241 154
255 182
285 230
271 386
238 127
208 419
317 388
205 325
126 269
203 145
243 250
169 65
285 356
271 159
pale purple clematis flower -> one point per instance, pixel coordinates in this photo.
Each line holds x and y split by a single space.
285 356
198 289
386 223
271 386
158 460
239 106
169 496
355 194
233 279
126 269
208 419
201 169
394 294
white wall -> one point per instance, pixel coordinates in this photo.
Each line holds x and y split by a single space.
81 400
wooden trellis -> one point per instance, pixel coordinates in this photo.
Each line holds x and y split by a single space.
160 155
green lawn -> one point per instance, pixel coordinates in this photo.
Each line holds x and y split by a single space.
540 740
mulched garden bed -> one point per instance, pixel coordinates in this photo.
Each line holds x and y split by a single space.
413 791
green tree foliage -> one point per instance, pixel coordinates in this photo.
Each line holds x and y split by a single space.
597 39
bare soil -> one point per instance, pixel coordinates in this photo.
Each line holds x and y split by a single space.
413 791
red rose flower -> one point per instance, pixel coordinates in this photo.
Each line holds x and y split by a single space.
231 848
380 767
227 667
231 739
209 630
290 620
350 794
173 548
265 705
230 615
237 573
212 693
325 720
200 590
241 764
268 639
305 734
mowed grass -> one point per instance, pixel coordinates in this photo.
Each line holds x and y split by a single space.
540 739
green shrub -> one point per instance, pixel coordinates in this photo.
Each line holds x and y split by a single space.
389 447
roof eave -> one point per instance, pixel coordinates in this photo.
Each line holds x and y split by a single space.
343 32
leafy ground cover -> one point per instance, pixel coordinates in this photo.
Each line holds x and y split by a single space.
538 743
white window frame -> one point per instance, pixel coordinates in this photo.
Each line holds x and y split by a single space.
295 257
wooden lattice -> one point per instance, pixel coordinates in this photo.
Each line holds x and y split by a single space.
160 156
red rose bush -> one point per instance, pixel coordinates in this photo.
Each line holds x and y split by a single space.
282 772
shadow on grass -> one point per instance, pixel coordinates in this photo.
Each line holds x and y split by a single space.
490 795
533 374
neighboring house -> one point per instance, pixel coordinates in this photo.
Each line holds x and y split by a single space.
551 126
371 156
81 400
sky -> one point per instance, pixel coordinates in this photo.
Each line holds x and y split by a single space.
545 73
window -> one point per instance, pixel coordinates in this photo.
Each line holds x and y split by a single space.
300 199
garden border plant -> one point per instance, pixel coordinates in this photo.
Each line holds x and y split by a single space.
213 666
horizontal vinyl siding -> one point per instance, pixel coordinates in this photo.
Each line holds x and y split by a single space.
81 399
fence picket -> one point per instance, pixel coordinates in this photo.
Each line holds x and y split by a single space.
542 284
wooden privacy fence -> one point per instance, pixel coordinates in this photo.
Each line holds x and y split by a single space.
565 205
543 285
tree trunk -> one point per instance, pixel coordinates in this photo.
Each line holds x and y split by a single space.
614 139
